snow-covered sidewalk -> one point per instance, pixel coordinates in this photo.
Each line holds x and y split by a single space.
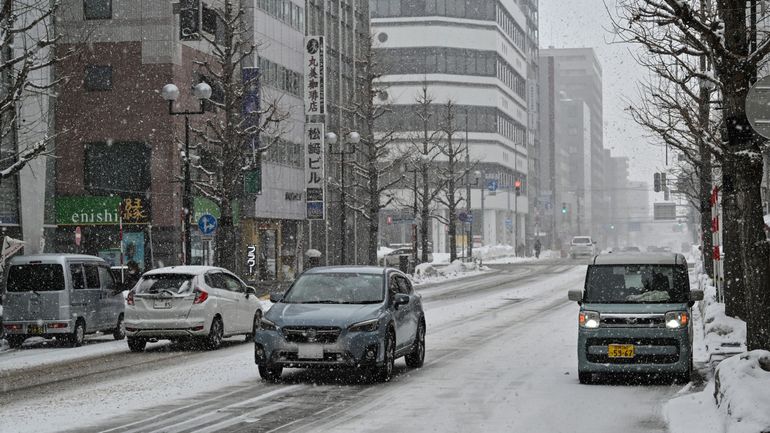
737 397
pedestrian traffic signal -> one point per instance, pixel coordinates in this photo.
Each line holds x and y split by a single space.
564 208
656 182
517 186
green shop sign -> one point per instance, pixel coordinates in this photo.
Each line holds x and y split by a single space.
95 210
203 205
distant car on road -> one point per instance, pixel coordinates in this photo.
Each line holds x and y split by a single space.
200 303
635 316
392 258
582 246
343 317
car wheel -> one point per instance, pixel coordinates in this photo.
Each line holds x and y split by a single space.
15 341
119 332
384 372
254 326
416 358
270 373
585 378
685 377
136 344
216 334
78 336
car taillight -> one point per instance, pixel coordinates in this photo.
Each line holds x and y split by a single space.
130 298
12 326
200 296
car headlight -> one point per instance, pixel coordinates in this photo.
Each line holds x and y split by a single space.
589 319
267 325
677 319
366 326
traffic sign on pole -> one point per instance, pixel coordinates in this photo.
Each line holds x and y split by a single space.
207 223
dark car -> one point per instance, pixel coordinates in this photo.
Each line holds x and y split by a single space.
332 317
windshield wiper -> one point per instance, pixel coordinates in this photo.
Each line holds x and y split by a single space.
323 302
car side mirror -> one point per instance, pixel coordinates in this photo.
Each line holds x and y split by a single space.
276 297
575 295
400 299
696 295
250 291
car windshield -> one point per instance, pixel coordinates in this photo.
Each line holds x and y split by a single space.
581 240
157 283
35 278
337 288
636 284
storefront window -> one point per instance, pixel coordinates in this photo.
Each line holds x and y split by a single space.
268 254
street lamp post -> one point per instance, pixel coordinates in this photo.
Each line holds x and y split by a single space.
170 93
352 138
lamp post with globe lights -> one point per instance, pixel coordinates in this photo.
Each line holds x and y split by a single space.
170 93
352 138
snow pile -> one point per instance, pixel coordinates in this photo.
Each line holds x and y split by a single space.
723 335
428 273
742 391
383 251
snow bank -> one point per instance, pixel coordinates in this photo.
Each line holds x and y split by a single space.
742 391
428 273
383 251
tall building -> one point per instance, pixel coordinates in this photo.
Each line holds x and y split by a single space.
572 152
345 27
118 143
482 55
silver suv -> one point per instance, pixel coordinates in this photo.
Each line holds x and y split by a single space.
354 317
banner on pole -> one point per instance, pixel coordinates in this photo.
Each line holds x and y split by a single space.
315 181
315 74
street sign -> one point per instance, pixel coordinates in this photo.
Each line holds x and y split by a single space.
492 185
664 211
509 224
207 223
758 106
465 217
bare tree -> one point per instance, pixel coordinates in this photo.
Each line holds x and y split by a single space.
451 171
227 136
725 34
26 40
375 168
425 149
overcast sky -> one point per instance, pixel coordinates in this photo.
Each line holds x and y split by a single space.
585 23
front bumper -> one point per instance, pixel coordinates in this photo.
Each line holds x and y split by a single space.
38 328
657 350
348 351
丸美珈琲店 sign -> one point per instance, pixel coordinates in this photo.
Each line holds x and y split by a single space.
104 210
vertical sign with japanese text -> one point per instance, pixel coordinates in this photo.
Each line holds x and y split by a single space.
315 183
315 89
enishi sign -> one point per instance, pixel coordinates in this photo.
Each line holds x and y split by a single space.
315 89
315 182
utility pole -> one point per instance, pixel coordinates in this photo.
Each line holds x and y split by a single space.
469 239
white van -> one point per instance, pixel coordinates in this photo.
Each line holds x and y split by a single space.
60 295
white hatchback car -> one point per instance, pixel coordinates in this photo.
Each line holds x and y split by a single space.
190 303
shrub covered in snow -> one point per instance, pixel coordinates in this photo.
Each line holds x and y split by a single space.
742 391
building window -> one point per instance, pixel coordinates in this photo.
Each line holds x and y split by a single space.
97 9
189 20
98 77
117 168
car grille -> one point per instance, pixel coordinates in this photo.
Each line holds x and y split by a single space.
639 358
311 334
631 321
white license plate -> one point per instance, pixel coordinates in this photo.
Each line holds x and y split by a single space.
310 351
161 303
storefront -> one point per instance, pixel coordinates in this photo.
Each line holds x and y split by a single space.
92 225
271 250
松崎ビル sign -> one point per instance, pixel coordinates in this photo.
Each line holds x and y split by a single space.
315 183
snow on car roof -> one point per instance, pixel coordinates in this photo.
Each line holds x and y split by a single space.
640 259
184 270
52 257
346 269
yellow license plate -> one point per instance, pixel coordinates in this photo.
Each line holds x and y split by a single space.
621 351
34 329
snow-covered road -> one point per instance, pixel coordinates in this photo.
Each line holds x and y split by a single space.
500 357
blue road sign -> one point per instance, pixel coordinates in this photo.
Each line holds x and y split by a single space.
509 224
492 185
207 223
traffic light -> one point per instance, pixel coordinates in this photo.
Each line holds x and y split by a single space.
656 182
663 184
564 207
517 186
